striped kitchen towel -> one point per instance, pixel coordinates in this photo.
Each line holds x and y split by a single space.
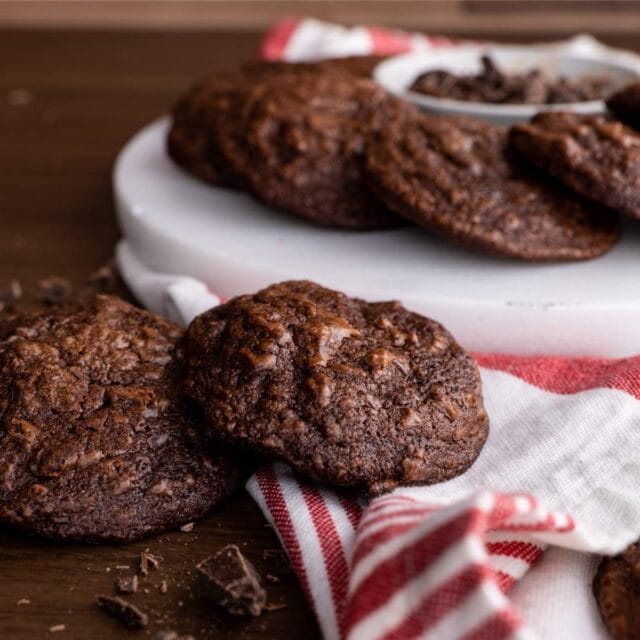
558 472
302 39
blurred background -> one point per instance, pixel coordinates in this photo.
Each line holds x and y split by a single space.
616 22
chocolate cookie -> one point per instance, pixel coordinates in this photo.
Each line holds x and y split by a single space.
200 118
617 590
299 146
594 155
625 104
453 176
95 443
209 108
359 394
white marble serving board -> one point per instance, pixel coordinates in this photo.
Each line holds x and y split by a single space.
178 224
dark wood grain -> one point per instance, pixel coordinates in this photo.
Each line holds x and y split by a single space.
67 104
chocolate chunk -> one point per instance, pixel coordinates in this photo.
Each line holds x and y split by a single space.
124 612
228 579
54 290
492 85
127 584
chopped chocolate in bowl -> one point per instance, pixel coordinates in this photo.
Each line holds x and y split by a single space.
498 87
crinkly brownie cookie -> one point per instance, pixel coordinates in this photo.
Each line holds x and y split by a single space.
596 156
95 442
453 177
299 147
209 109
358 394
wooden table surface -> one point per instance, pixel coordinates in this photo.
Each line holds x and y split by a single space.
68 102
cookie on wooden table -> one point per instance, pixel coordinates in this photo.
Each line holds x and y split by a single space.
299 147
596 156
358 394
453 176
625 104
95 442
617 591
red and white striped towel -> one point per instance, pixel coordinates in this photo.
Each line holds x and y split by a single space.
446 561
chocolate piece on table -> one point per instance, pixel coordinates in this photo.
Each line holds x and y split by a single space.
229 580
124 612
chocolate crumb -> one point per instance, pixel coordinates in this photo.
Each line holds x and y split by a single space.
54 290
274 606
272 579
127 584
105 279
23 601
187 527
124 612
148 562
122 566
57 627
228 579
164 587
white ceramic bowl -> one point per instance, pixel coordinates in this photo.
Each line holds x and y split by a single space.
398 73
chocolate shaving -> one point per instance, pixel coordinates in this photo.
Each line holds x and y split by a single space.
149 562
124 612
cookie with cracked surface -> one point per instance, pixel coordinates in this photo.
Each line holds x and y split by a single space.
453 177
625 104
299 144
594 155
95 443
617 591
200 117
208 109
359 394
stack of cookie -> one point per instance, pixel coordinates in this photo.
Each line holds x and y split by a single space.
324 143
116 424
